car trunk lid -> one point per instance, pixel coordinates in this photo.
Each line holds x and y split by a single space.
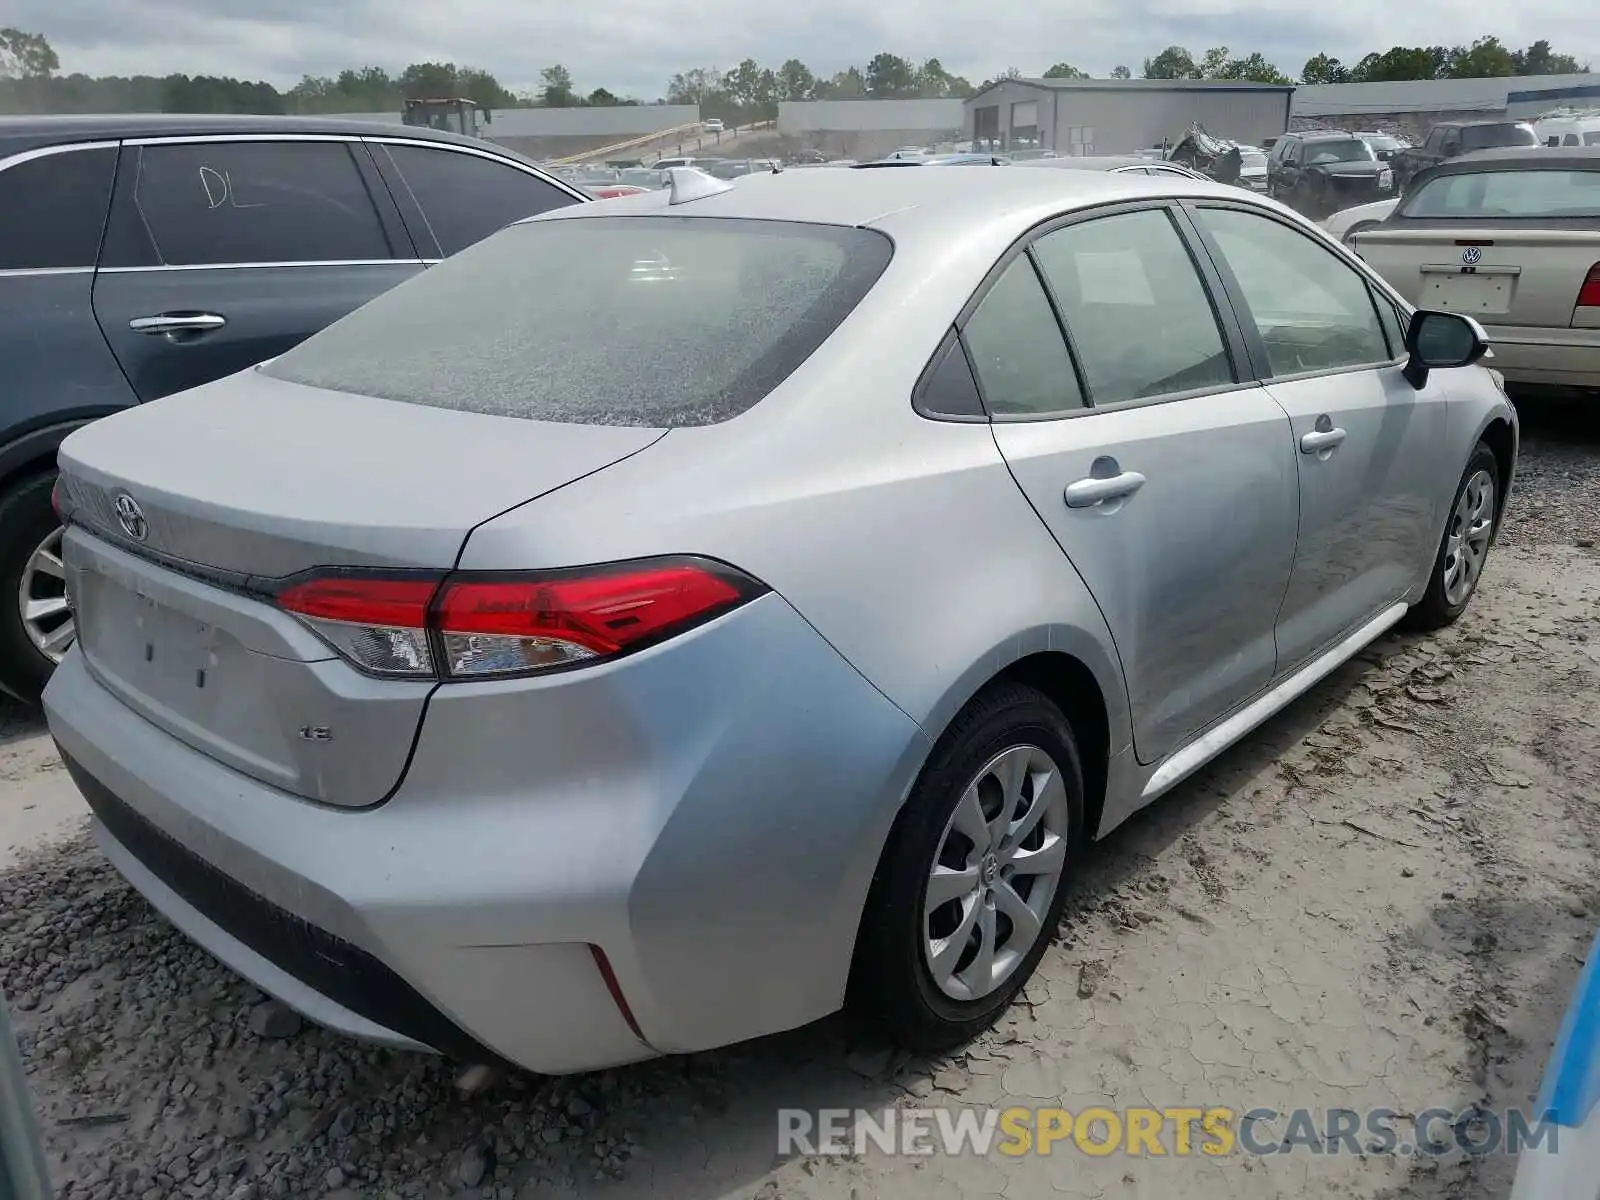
239 484
1498 275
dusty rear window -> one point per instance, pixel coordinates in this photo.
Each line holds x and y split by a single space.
1534 193
647 321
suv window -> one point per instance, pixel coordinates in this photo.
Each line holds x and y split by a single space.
651 321
1312 309
208 203
53 208
1139 315
466 197
1018 352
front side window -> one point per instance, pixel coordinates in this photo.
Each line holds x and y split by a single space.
1313 310
1482 137
1527 193
641 321
52 209
466 197
1017 349
254 202
1139 314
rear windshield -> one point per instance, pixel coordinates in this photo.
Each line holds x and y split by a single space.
1481 137
1501 194
646 321
1352 151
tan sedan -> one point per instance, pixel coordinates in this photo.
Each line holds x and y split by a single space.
1511 238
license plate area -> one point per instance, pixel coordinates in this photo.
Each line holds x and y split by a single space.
155 650
1469 292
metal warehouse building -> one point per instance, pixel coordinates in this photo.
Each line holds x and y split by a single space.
1412 105
1117 116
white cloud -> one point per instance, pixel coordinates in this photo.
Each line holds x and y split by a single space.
634 46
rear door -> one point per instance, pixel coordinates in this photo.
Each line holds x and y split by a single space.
221 253
1169 485
1371 484
454 196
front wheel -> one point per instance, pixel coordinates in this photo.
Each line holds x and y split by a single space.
973 879
1464 549
36 625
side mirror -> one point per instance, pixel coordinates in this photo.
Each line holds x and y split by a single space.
1441 339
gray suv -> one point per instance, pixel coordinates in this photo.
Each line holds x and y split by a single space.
141 255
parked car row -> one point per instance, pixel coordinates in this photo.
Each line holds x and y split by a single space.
143 255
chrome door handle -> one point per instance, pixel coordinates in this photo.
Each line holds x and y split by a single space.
177 323
1086 493
1319 440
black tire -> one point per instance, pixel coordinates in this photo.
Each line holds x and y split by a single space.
26 519
891 985
1434 611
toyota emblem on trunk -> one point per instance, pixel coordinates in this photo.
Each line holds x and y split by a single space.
131 517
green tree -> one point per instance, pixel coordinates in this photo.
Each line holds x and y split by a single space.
1486 58
795 81
556 90
1063 70
1539 59
1120 72
26 55
1172 63
1254 67
935 83
1402 62
743 85
695 86
848 84
475 84
429 81
600 98
1321 68
889 75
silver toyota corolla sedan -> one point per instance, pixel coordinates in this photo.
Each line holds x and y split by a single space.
675 618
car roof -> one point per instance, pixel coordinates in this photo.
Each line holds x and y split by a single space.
1326 135
31 132
1528 158
1091 162
1004 203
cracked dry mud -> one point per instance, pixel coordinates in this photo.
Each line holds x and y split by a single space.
1381 899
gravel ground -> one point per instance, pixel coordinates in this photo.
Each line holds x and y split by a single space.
1381 898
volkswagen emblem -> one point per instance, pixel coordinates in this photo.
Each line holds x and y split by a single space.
131 517
1471 255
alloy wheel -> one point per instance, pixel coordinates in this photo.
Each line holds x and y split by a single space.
1466 547
42 598
998 867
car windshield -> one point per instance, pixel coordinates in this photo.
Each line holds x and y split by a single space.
1251 159
1353 150
643 321
1481 137
1527 194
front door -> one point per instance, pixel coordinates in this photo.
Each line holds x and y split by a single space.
1365 439
219 255
1170 487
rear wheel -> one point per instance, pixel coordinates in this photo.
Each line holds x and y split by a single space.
1464 550
972 882
36 625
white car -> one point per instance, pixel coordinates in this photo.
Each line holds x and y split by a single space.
712 125
1348 222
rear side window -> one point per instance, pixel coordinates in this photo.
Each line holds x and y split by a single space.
1526 193
643 321
464 197
1480 137
210 203
1017 349
53 209
1140 317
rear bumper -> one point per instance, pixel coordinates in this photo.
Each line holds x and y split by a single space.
707 813
1524 354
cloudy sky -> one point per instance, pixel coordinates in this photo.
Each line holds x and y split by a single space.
633 46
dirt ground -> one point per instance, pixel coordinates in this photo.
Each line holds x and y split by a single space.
1380 899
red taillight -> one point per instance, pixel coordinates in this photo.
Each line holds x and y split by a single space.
1589 293
55 497
611 193
512 624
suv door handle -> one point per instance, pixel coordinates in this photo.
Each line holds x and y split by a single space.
1319 440
1086 493
178 323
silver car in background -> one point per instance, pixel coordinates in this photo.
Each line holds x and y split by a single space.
760 613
